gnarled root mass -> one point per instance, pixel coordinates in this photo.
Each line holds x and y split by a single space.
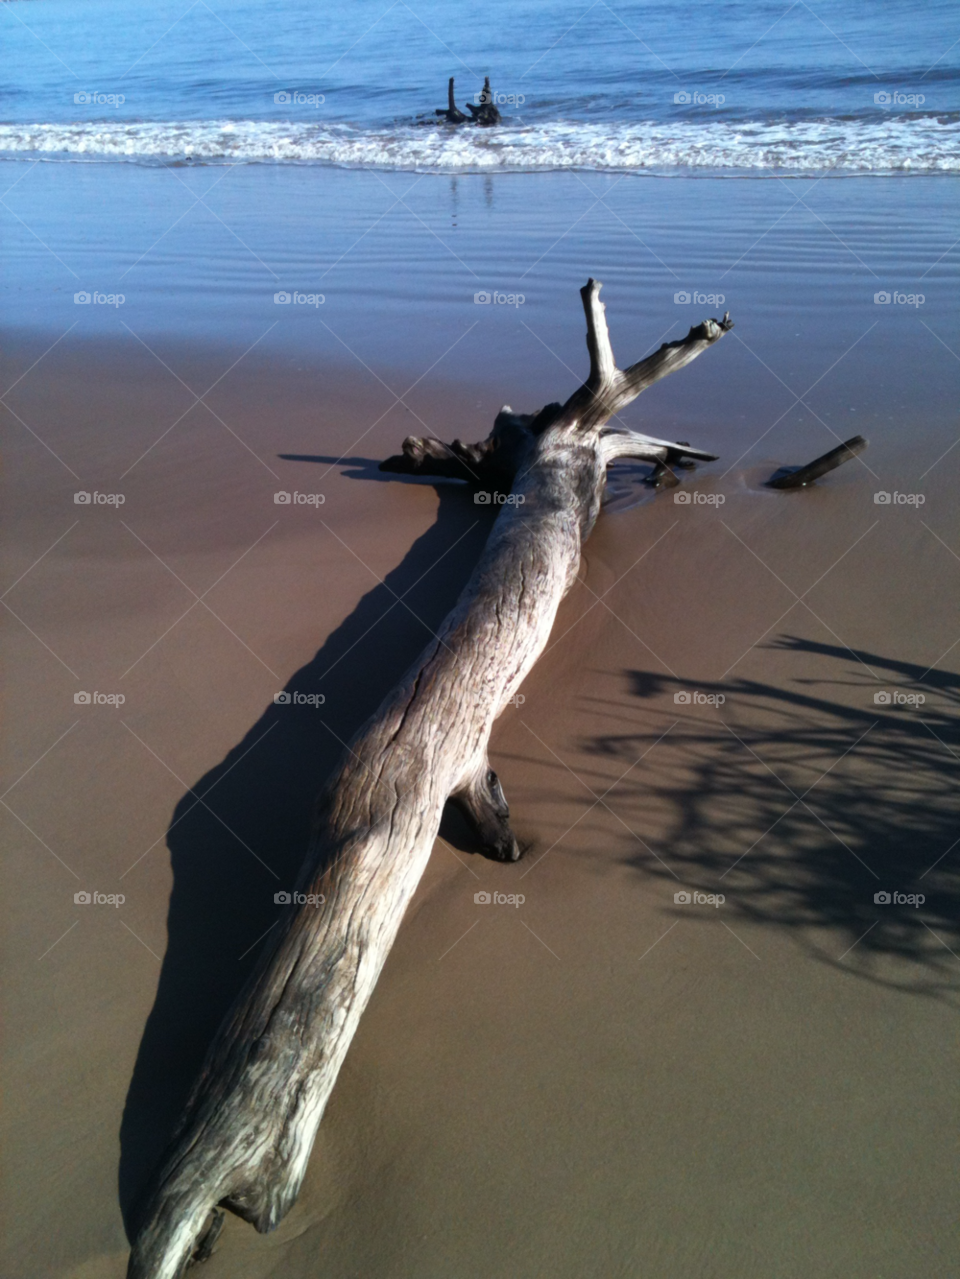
246 1136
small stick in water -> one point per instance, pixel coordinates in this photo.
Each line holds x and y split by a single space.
795 477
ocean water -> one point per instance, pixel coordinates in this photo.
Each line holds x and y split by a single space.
644 86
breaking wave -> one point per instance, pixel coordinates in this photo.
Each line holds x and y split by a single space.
895 144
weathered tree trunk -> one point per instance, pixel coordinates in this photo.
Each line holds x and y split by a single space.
250 1124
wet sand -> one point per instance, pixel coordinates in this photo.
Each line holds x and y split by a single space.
602 1079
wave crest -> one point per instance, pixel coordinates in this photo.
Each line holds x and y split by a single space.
897 144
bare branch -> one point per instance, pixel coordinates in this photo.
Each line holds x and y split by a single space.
603 367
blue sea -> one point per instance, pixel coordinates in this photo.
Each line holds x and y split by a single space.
854 87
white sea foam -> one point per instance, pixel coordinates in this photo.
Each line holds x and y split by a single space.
895 144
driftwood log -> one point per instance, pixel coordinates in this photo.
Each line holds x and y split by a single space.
485 114
250 1123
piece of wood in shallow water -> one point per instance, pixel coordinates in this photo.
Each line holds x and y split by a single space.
796 477
485 114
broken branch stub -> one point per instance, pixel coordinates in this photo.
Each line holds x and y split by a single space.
249 1126
451 112
795 477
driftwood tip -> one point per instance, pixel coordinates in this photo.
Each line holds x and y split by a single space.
799 477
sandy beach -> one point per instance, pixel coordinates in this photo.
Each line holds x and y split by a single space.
604 1078
706 1026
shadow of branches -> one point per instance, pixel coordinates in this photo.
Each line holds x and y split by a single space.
811 806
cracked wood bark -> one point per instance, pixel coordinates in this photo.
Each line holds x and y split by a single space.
249 1126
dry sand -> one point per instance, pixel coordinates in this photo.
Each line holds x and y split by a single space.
600 1081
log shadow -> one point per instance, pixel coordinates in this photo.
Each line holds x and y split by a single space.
240 834
882 817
